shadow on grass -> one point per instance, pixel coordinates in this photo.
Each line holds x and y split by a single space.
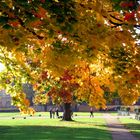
135 128
52 133
90 123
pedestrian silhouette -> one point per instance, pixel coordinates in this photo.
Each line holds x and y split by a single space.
57 112
50 110
53 112
91 112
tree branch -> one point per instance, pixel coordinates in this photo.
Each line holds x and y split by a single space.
22 24
121 24
116 24
31 31
116 18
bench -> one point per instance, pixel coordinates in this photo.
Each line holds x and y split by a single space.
137 116
137 111
123 113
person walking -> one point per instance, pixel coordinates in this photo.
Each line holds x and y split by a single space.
53 112
50 110
57 112
91 113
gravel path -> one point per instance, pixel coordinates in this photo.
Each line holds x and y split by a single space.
118 131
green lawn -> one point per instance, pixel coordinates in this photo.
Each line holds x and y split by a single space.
87 114
53 129
114 113
133 125
43 114
9 114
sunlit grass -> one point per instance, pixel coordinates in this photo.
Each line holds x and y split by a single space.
46 114
11 114
87 113
114 113
133 125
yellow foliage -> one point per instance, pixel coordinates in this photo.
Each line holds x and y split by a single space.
82 47
26 102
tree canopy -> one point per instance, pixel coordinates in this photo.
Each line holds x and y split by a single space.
70 50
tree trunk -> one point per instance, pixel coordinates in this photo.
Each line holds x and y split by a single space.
67 112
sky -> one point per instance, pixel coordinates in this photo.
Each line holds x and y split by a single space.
2 67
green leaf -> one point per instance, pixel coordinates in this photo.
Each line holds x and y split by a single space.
47 88
3 20
51 32
7 27
117 1
117 7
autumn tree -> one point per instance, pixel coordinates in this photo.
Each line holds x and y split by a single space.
70 50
